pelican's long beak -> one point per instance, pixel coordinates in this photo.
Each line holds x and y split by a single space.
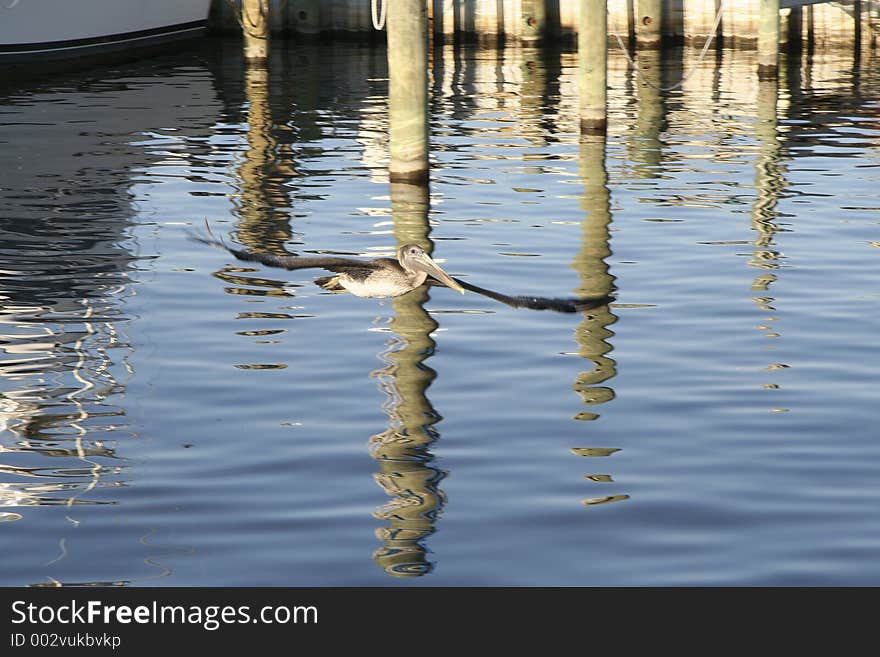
433 269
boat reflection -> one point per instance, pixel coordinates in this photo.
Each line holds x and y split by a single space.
63 350
68 205
65 226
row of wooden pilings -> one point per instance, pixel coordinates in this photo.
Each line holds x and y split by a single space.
407 35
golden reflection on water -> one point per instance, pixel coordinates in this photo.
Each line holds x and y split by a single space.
402 450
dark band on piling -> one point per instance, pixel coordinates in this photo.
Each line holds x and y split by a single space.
594 126
419 177
768 71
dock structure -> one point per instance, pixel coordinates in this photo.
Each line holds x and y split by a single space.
496 22
412 27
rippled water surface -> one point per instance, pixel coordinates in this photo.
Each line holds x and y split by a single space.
173 416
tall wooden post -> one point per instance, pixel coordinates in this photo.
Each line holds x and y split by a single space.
593 66
407 26
768 39
305 16
631 25
649 23
255 25
534 20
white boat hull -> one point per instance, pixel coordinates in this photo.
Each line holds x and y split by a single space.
41 30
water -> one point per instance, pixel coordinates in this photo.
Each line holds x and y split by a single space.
174 417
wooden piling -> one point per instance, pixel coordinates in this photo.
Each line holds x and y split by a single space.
407 27
768 39
304 16
857 30
630 24
649 23
534 20
255 26
593 66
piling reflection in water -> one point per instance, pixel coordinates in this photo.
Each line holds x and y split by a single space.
539 94
403 449
593 334
645 145
266 165
261 194
769 184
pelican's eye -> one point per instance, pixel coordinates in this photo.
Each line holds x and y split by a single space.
414 251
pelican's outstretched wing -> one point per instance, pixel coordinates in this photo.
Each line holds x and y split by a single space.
330 263
570 305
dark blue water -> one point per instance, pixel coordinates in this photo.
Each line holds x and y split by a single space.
172 416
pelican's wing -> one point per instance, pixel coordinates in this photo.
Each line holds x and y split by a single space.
330 263
571 305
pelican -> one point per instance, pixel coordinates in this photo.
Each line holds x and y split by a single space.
378 278
387 277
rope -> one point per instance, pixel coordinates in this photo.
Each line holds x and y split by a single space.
696 65
378 17
245 16
237 12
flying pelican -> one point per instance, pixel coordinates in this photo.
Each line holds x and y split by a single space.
388 277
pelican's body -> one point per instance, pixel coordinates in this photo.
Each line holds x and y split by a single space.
386 279
383 277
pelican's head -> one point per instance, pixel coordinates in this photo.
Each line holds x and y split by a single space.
413 258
